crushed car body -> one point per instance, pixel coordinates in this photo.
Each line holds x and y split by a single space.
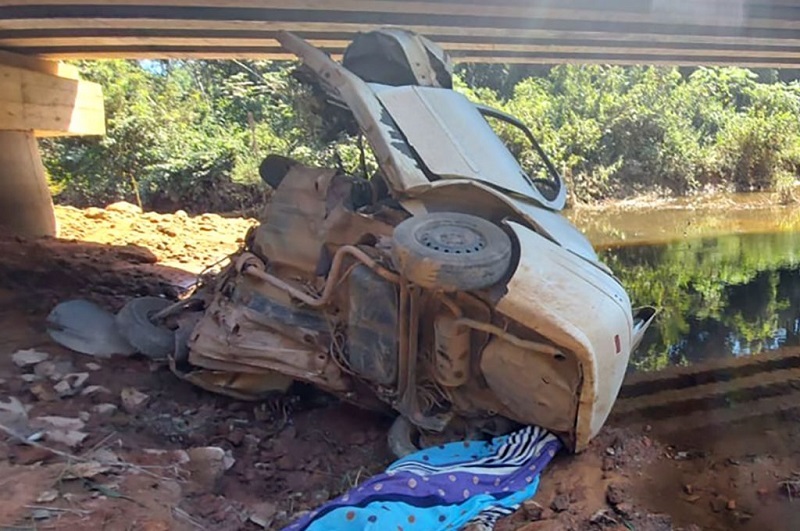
447 287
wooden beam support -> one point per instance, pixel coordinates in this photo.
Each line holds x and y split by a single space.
49 105
35 100
26 208
37 64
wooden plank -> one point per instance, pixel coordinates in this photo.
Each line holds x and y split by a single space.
77 27
271 53
713 12
610 48
47 104
382 12
38 65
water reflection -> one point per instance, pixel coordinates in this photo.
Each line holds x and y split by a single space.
725 295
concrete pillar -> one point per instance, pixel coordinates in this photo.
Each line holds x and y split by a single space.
26 208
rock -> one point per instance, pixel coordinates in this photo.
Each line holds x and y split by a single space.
615 494
718 504
123 207
207 465
688 489
75 381
602 518
263 514
211 218
104 455
93 366
624 509
44 392
47 496
181 214
14 415
609 463
104 409
55 371
560 503
60 423
731 505
25 358
94 390
63 389
63 430
533 511
95 213
611 452
29 378
133 400
167 230
70 438
84 416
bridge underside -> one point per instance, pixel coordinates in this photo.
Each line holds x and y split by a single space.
756 33
38 97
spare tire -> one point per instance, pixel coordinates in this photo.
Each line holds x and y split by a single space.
451 251
134 324
398 57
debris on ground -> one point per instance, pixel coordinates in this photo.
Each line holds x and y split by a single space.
133 400
24 358
291 460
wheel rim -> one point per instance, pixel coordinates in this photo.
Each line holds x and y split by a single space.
451 239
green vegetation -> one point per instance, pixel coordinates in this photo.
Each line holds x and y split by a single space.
180 131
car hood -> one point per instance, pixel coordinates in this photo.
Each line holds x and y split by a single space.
422 134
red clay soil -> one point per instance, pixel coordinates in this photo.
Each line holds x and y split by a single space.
294 453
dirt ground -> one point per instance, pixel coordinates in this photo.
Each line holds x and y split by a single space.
711 447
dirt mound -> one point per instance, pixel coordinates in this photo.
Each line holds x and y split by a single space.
179 240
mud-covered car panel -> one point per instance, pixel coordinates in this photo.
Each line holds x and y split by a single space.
321 292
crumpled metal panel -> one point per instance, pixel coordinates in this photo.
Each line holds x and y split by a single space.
580 309
230 337
454 141
535 387
372 331
309 210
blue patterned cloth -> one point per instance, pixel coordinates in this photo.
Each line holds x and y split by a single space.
445 487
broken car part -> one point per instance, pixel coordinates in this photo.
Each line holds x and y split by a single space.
447 287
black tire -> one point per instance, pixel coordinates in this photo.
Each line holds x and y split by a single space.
133 322
451 251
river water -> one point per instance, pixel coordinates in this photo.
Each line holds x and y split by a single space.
725 275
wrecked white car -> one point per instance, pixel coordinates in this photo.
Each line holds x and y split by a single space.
447 287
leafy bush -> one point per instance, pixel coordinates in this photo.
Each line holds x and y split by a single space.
181 131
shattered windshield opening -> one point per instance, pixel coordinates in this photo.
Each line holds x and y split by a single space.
537 169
